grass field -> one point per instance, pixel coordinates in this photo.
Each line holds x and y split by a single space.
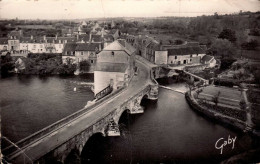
228 96
35 26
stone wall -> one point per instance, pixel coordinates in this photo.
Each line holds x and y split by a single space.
227 120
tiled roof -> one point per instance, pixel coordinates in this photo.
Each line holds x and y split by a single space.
48 39
120 45
154 45
185 51
111 67
87 46
96 38
206 58
70 47
3 40
108 37
84 37
17 34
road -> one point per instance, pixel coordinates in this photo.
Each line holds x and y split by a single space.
55 138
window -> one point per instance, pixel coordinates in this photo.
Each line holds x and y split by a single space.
191 56
40 46
190 59
175 57
81 53
91 61
34 46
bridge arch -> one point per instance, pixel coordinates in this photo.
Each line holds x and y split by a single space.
73 157
94 149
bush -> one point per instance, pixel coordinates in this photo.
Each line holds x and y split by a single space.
84 65
67 69
227 83
226 63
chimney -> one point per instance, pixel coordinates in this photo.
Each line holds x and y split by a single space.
139 36
90 37
77 37
44 37
99 47
21 32
31 37
56 36
59 41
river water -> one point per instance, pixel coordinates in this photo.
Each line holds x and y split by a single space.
30 103
168 131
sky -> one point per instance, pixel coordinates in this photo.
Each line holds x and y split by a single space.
80 9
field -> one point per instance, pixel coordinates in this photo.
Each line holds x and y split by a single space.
228 96
35 26
254 55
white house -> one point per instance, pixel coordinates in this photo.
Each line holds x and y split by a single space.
115 66
209 60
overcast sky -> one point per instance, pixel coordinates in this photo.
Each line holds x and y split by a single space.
77 9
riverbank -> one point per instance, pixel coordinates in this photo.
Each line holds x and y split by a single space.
233 121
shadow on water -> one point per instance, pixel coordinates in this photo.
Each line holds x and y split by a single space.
94 150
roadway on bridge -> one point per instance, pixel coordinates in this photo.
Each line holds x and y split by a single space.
55 138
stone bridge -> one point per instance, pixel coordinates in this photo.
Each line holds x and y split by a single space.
55 142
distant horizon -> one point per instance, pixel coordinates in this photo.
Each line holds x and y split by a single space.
137 17
100 9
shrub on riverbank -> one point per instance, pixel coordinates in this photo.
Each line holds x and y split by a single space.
47 64
255 108
231 112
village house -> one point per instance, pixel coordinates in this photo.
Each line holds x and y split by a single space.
68 54
115 66
185 55
44 44
78 52
87 52
173 55
13 44
209 60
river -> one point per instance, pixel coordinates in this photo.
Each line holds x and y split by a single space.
168 131
30 103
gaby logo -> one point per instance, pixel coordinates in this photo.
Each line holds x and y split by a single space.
221 143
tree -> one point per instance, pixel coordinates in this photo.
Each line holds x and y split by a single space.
190 84
242 104
228 34
7 64
223 48
251 45
215 99
84 65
